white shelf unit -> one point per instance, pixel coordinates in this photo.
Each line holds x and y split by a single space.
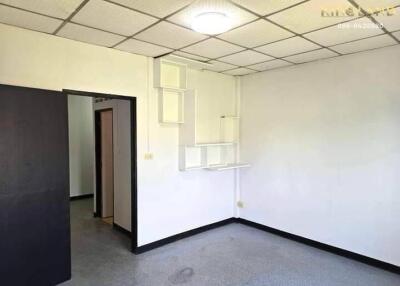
196 155
169 74
171 79
170 106
229 167
229 126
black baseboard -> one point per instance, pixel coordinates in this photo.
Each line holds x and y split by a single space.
81 197
121 229
162 242
323 246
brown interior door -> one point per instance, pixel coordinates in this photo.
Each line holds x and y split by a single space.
107 163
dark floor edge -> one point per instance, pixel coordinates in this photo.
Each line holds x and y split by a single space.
322 246
162 242
121 229
81 197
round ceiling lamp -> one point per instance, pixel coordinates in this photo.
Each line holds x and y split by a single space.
211 23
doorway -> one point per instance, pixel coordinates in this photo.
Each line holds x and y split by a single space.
115 129
104 132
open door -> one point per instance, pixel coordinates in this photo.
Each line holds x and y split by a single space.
105 163
34 187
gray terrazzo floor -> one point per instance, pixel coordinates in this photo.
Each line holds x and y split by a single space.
232 255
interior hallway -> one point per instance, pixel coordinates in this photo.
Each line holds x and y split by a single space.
232 255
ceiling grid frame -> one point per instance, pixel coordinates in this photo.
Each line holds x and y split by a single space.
258 16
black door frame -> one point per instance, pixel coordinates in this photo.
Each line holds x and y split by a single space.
132 100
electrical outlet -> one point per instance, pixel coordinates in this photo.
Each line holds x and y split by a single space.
240 204
148 156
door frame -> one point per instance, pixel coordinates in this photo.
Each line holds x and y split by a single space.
133 124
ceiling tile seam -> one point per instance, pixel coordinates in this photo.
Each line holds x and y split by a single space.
30 11
287 8
357 40
132 9
245 9
246 66
83 3
301 36
243 47
184 47
369 16
29 29
190 53
157 22
326 58
297 35
372 49
147 42
276 58
333 25
98 29
282 27
341 55
259 17
237 66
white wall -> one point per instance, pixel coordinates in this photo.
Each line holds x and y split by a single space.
81 145
324 142
169 201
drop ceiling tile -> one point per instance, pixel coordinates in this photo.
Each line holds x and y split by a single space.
89 35
142 48
237 15
307 17
55 8
246 58
239 71
219 66
311 56
28 20
371 5
353 30
158 8
391 23
170 35
270 65
213 48
112 18
366 44
288 47
190 56
255 34
397 35
265 7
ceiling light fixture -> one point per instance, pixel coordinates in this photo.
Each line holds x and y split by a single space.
211 23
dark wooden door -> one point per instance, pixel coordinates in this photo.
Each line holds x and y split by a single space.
34 187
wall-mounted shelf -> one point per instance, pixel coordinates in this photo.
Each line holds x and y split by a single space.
229 126
228 167
169 74
170 106
177 105
210 144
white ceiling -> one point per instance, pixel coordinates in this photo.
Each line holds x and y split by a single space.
266 34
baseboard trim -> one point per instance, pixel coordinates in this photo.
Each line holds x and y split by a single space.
121 229
170 239
81 197
313 243
322 246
